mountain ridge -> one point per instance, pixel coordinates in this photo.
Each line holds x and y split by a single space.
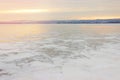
95 21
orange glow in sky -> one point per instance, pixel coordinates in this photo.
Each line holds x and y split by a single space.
58 9
25 11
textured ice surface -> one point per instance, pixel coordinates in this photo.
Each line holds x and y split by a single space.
63 53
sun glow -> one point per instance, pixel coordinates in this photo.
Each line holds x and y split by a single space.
25 11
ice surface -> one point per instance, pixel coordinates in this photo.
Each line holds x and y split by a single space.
63 54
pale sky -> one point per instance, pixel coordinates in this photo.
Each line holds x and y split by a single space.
58 9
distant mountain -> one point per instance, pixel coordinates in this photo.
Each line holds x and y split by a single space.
97 21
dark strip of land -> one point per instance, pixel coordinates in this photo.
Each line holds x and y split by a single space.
97 21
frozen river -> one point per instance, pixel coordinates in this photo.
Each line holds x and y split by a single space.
60 52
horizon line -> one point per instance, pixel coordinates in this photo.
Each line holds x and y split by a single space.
60 19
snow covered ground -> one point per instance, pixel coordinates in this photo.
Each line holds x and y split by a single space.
87 52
